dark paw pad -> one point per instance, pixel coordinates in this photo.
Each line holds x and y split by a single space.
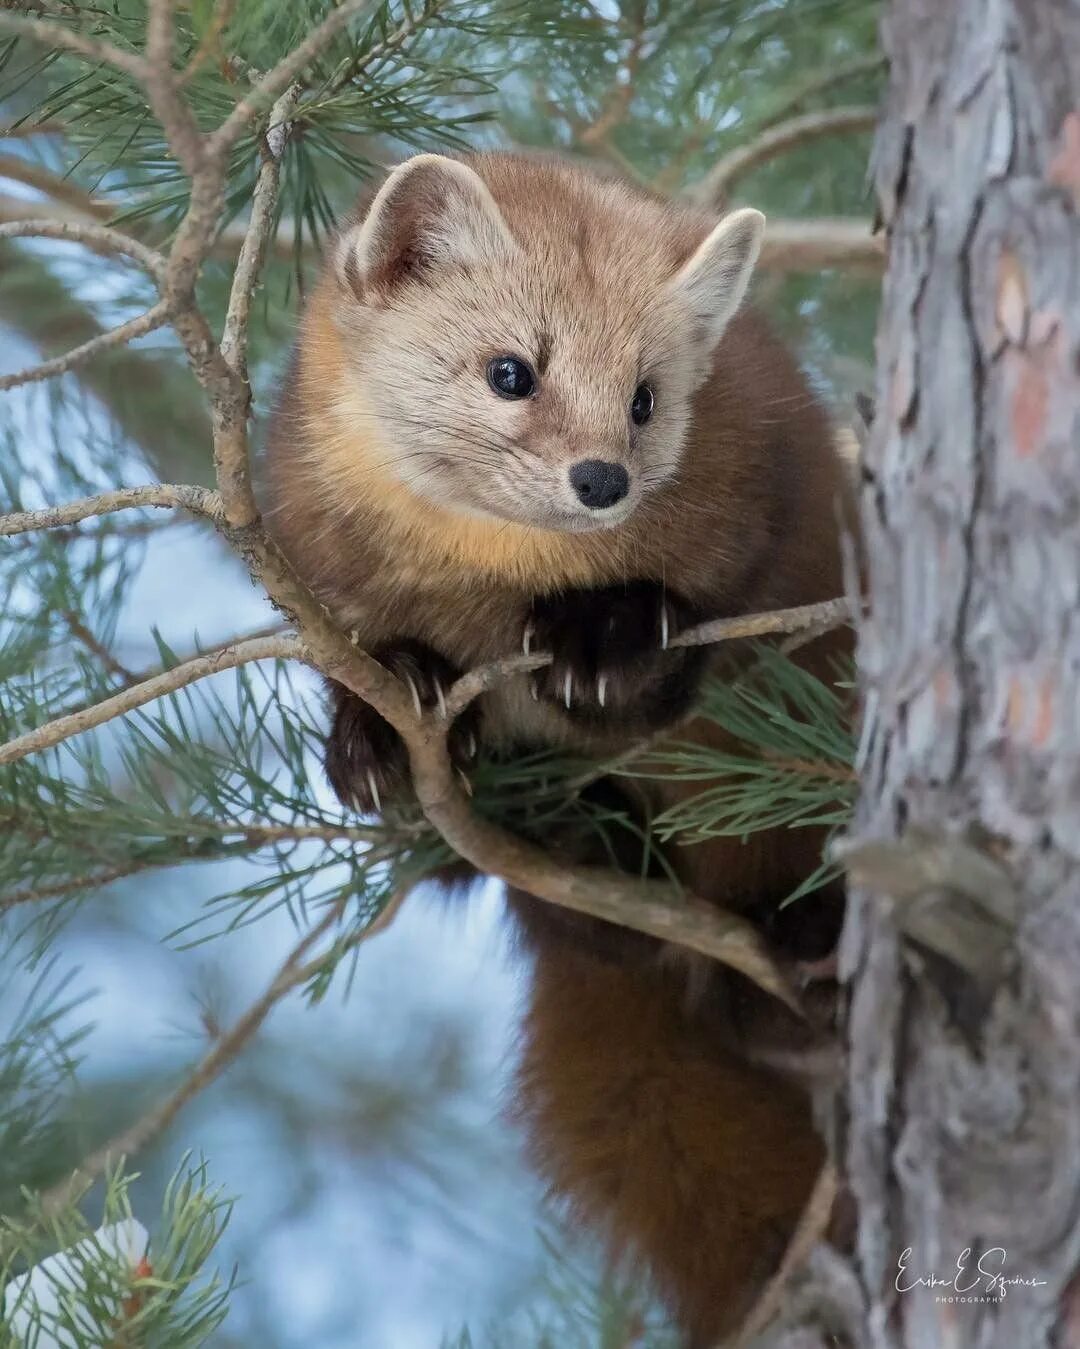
612 652
366 761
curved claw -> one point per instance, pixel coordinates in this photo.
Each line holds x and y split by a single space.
415 693
440 695
373 788
601 689
665 622
527 636
568 687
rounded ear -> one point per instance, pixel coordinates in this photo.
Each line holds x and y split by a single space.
714 280
431 212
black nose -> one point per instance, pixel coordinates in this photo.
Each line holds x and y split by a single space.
599 483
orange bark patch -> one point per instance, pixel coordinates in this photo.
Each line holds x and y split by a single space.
1044 713
1038 730
1014 715
944 686
1030 406
1065 166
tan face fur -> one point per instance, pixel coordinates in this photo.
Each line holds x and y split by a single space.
451 269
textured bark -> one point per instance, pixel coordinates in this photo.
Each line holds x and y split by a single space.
963 1124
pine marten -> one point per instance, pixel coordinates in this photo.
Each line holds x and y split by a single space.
527 410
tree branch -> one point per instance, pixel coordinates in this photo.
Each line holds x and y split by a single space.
63 728
163 90
99 237
119 336
252 838
276 81
260 226
19 169
51 34
822 83
167 496
715 187
810 245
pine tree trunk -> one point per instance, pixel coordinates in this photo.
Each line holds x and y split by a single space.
963 942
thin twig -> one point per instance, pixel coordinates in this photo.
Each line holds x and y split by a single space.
63 728
230 444
833 612
811 245
97 236
249 264
51 34
277 80
809 1230
83 634
129 678
61 889
119 336
821 83
714 188
293 972
24 130
250 838
162 87
30 173
166 496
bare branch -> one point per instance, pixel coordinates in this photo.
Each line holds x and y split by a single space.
119 336
129 678
24 130
294 972
715 187
167 496
19 169
63 728
83 634
260 226
230 441
276 81
809 1230
51 34
823 82
234 836
810 245
163 89
99 237
824 615
63 889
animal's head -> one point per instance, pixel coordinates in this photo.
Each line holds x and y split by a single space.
533 358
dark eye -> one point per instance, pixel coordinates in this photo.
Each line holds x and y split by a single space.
510 378
642 405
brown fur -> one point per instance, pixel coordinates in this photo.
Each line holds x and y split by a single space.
639 1109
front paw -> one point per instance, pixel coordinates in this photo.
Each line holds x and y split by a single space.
612 653
366 762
